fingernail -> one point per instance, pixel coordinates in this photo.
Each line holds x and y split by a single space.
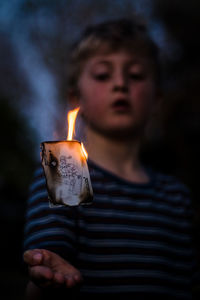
77 277
37 256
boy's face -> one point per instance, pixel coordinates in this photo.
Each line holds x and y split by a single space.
117 93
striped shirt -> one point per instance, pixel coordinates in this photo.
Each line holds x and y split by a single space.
133 241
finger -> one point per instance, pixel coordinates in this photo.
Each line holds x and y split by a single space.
58 278
40 273
70 281
73 279
77 277
33 257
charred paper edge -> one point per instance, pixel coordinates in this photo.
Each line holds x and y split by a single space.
86 184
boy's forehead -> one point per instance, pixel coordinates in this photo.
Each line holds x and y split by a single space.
118 56
106 48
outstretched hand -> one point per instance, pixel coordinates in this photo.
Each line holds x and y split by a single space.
49 269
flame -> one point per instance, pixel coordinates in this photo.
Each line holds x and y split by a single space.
84 151
71 118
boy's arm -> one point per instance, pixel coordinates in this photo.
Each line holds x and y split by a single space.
55 230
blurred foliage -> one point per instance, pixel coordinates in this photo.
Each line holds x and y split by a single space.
181 107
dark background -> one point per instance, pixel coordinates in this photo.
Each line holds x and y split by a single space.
34 42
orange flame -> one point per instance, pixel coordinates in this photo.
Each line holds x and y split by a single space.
84 151
71 118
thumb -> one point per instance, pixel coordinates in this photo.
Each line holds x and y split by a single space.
33 257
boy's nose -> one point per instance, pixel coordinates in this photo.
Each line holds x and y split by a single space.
120 88
120 83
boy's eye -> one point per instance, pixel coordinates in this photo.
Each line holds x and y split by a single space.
102 76
136 76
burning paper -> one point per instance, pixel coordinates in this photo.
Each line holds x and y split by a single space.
66 170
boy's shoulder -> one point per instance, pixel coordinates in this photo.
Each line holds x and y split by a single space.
172 184
170 179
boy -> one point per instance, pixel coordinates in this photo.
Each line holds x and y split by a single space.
134 240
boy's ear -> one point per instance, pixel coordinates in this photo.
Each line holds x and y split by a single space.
73 98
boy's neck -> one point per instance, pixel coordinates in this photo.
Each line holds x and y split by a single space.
119 157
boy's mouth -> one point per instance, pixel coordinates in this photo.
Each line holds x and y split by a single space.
121 105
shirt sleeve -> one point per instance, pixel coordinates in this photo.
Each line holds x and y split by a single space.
51 228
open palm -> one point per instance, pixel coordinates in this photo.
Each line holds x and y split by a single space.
47 268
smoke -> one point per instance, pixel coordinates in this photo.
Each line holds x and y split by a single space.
42 107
